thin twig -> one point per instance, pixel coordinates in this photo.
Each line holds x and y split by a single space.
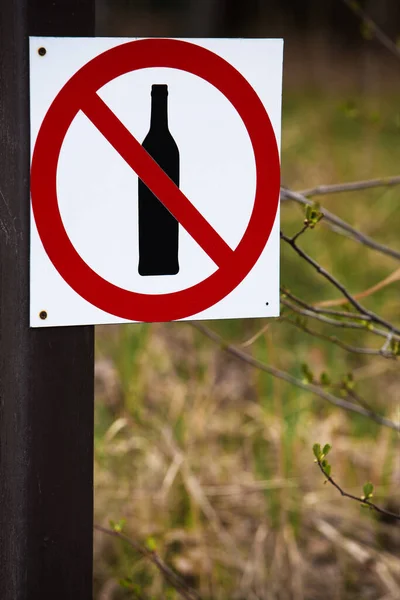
351 186
342 225
299 233
356 397
334 340
319 307
348 348
380 35
374 317
173 579
308 387
324 311
309 312
358 499
346 325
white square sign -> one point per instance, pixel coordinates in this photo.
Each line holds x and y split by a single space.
154 179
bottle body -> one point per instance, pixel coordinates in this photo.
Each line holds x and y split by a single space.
158 228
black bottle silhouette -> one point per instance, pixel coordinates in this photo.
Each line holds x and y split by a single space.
158 228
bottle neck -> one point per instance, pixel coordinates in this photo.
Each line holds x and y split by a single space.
159 109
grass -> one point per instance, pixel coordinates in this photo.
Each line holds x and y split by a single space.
212 459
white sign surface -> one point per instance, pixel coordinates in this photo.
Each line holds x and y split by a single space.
91 108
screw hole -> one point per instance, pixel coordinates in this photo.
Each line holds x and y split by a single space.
42 51
43 315
267 304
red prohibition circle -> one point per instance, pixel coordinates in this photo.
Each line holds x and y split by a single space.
77 92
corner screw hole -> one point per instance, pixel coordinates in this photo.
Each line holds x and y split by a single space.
42 51
43 315
267 304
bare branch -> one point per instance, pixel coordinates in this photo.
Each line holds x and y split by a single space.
300 232
353 349
343 324
173 579
374 317
356 397
380 35
310 312
324 311
357 499
352 186
308 387
342 226
340 343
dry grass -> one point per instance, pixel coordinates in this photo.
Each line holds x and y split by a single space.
211 459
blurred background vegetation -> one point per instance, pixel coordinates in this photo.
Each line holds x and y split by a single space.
207 459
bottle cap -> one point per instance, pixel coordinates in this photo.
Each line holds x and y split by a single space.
159 88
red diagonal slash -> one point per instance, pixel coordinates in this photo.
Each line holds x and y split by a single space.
156 179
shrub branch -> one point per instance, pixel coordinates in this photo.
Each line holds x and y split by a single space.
170 576
340 225
351 186
311 261
368 488
308 387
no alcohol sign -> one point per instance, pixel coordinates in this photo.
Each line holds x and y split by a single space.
154 179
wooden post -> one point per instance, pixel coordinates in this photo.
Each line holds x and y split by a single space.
46 375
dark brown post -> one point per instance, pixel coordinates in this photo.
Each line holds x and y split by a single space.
46 375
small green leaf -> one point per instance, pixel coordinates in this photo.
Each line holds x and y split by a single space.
368 490
313 214
395 347
151 544
117 526
317 451
326 449
327 470
126 583
120 525
308 377
326 466
348 382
